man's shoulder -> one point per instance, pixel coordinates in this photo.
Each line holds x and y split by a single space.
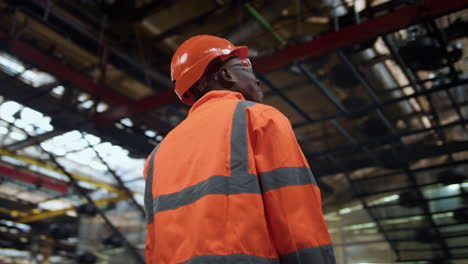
259 108
263 109
266 112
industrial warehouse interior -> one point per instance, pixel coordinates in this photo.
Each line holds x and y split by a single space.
376 92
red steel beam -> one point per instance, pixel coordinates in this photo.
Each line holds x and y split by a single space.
356 33
374 27
59 70
395 20
58 186
122 108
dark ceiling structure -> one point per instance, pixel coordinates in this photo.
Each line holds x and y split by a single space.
376 91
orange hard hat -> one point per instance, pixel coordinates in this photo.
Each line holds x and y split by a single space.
193 56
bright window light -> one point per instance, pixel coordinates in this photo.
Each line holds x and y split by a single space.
23 227
426 121
18 136
360 5
442 215
84 156
345 211
13 161
49 147
87 104
37 78
333 216
359 226
30 116
44 124
70 141
10 64
58 91
150 133
391 198
56 204
83 97
103 147
92 139
20 123
98 165
453 187
402 220
8 109
76 155
126 122
385 199
71 213
350 209
101 107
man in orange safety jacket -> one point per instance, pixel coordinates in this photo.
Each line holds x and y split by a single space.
230 183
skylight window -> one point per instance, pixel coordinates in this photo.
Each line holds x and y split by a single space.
28 119
127 122
92 139
37 78
385 199
18 136
83 97
44 124
348 210
73 148
87 104
58 91
84 156
81 158
70 141
10 64
101 107
359 226
150 133
8 109
20 123
53 148
56 204
30 116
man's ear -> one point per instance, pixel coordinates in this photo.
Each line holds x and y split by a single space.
225 75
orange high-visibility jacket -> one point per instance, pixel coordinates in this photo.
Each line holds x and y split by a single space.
230 184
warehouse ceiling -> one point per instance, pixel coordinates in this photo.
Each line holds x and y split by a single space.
376 92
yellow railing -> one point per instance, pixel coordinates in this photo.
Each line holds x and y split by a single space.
36 216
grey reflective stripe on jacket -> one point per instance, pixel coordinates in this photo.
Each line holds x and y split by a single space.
148 188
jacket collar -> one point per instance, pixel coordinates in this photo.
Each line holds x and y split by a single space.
214 96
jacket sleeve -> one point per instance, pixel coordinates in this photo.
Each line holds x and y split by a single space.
290 193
